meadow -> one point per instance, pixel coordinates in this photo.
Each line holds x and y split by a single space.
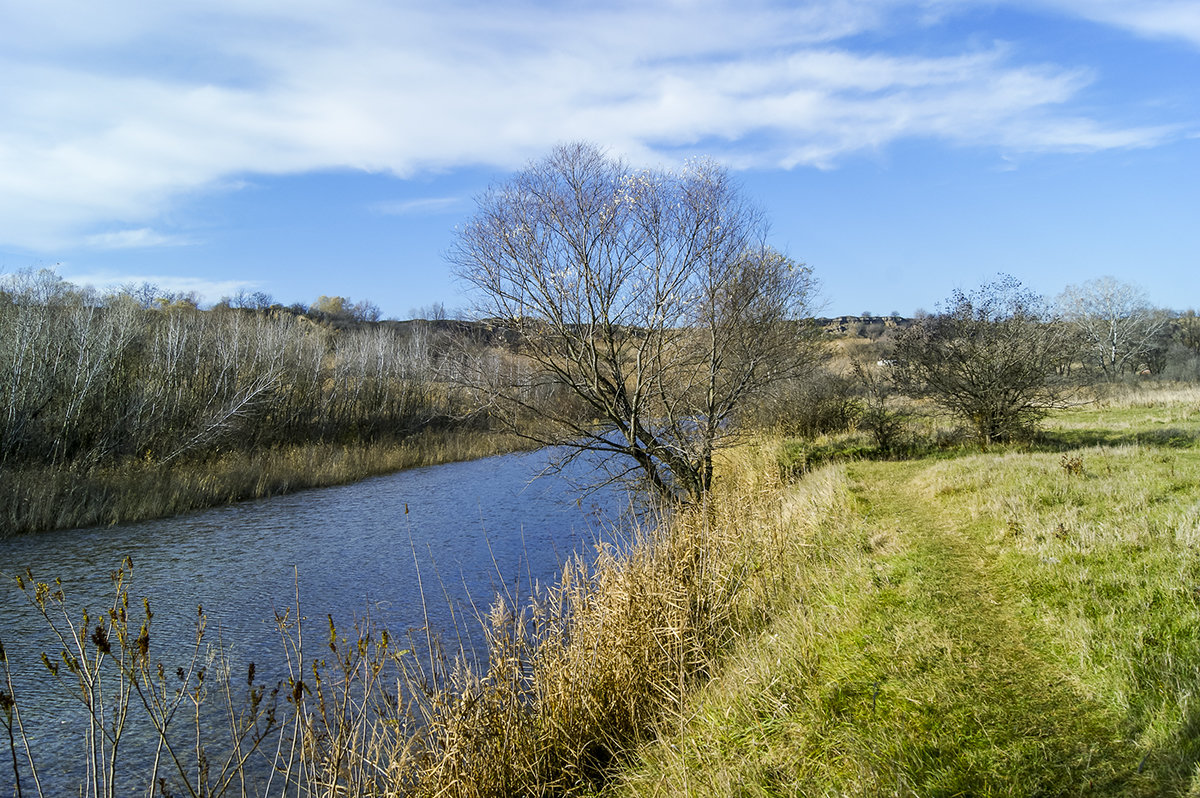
1018 621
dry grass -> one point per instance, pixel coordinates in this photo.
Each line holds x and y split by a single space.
1149 395
603 661
41 499
575 680
1012 622
1102 542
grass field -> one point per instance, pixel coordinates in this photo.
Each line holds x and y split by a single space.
1014 622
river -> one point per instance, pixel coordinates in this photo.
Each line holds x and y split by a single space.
464 531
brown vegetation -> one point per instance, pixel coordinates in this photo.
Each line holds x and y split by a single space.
123 406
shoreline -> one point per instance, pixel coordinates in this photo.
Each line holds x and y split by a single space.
44 500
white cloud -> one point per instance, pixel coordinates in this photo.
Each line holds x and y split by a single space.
132 239
112 114
1163 19
415 206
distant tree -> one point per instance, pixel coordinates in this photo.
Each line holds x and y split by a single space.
1119 330
648 307
330 305
145 294
989 357
1186 332
177 299
340 307
1182 357
435 311
258 300
880 414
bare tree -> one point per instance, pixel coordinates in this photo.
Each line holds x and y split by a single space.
647 305
1118 328
989 357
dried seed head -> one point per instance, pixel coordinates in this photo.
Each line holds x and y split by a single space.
100 638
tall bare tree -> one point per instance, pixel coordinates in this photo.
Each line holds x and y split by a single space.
1118 328
648 307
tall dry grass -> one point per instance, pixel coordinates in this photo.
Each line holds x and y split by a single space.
35 499
574 679
603 660
142 718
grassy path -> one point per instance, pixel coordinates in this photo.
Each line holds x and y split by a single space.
907 668
965 702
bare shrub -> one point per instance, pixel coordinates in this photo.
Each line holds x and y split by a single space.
989 357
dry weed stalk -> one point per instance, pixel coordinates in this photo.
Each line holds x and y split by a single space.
604 659
327 727
574 680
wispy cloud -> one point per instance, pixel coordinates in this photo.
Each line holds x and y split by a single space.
1163 19
133 239
114 113
415 206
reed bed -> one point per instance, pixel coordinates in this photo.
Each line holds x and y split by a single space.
602 662
36 499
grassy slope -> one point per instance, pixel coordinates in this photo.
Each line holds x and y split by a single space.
996 624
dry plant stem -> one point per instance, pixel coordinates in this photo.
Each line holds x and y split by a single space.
339 732
13 713
601 661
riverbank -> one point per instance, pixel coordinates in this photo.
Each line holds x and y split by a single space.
1019 621
1005 623
43 499
603 662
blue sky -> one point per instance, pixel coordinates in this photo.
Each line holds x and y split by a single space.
902 148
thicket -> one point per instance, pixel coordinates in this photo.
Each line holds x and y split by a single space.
997 359
93 382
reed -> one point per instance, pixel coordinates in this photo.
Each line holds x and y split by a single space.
573 680
1015 621
35 499
603 661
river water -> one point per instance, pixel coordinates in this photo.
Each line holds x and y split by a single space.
465 532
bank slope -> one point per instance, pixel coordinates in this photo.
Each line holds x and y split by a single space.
1019 624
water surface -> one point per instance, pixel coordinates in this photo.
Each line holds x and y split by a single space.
465 531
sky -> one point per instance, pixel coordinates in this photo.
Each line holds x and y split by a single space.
901 148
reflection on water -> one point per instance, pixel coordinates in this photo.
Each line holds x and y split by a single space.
465 530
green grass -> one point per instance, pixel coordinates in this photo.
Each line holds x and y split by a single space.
1015 622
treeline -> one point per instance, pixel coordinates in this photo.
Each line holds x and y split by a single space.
142 391
90 379
997 359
